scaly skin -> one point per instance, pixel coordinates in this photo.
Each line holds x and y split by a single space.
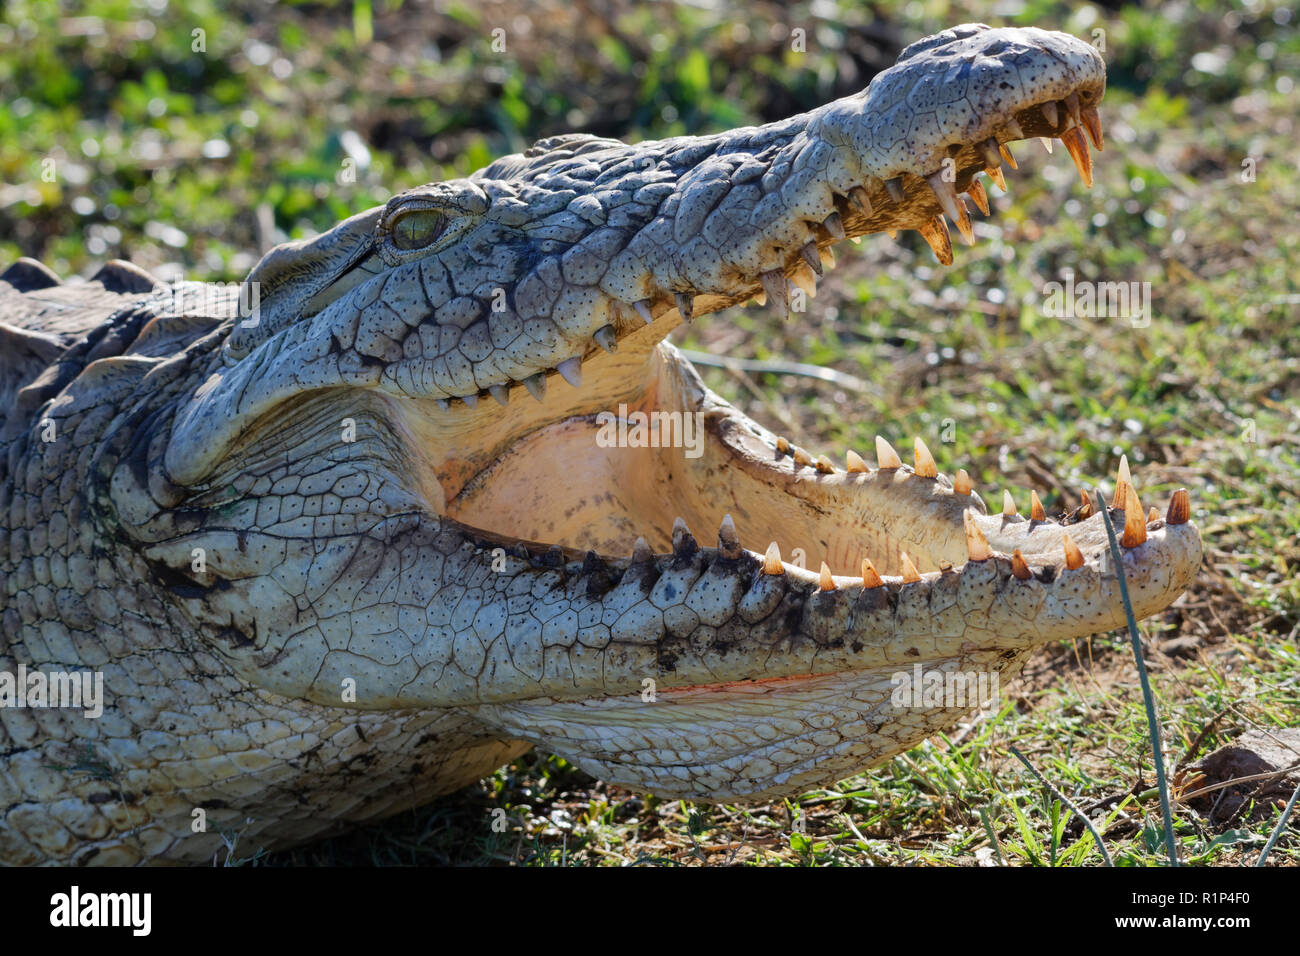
291 545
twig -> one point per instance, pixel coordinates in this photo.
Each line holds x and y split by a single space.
777 367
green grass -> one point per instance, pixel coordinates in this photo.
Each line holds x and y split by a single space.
1204 397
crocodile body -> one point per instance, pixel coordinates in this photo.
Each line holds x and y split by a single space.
363 543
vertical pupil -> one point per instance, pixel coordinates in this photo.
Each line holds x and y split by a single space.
416 229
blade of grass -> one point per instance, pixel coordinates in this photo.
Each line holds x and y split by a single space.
1277 830
1148 699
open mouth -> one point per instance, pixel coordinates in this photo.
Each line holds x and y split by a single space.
631 451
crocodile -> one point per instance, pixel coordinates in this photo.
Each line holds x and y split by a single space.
416 496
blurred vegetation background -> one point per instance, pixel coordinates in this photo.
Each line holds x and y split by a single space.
198 134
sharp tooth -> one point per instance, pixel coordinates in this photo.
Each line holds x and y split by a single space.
892 233
925 466
961 484
977 194
1122 481
536 385
870 576
1008 505
825 581
1077 144
895 188
641 552
782 444
760 299
858 196
1092 123
1006 154
1036 512
683 302
946 193
804 279
853 463
643 310
501 393
834 225
801 457
995 174
1180 508
683 541
1085 508
1135 529
823 464
1013 128
606 338
977 546
1051 113
935 232
1073 556
1018 566
886 457
571 371
828 255
1152 514
772 560
910 574
989 150
728 540
443 404
811 256
470 400
1072 109
1047 144
774 287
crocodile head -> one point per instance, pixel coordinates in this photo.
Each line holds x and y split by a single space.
453 460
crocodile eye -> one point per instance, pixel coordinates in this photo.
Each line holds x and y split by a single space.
418 228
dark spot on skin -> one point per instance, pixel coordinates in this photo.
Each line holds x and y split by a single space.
670 592
98 798
856 646
234 637
360 733
912 652
1008 655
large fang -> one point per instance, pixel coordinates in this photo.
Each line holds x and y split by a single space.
995 174
536 385
774 285
961 484
811 256
858 196
1073 556
870 576
1135 526
683 302
935 232
895 188
571 371
1122 482
1047 144
989 150
728 540
910 574
925 466
1036 512
683 541
834 225
1008 505
886 457
1092 123
1077 144
1005 150
853 463
606 338
823 464
643 309
1085 506
1018 566
805 279
1072 109
946 193
981 198
641 552
825 581
501 394
1051 113
977 546
772 560
1180 507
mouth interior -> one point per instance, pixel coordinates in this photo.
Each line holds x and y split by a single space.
638 444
